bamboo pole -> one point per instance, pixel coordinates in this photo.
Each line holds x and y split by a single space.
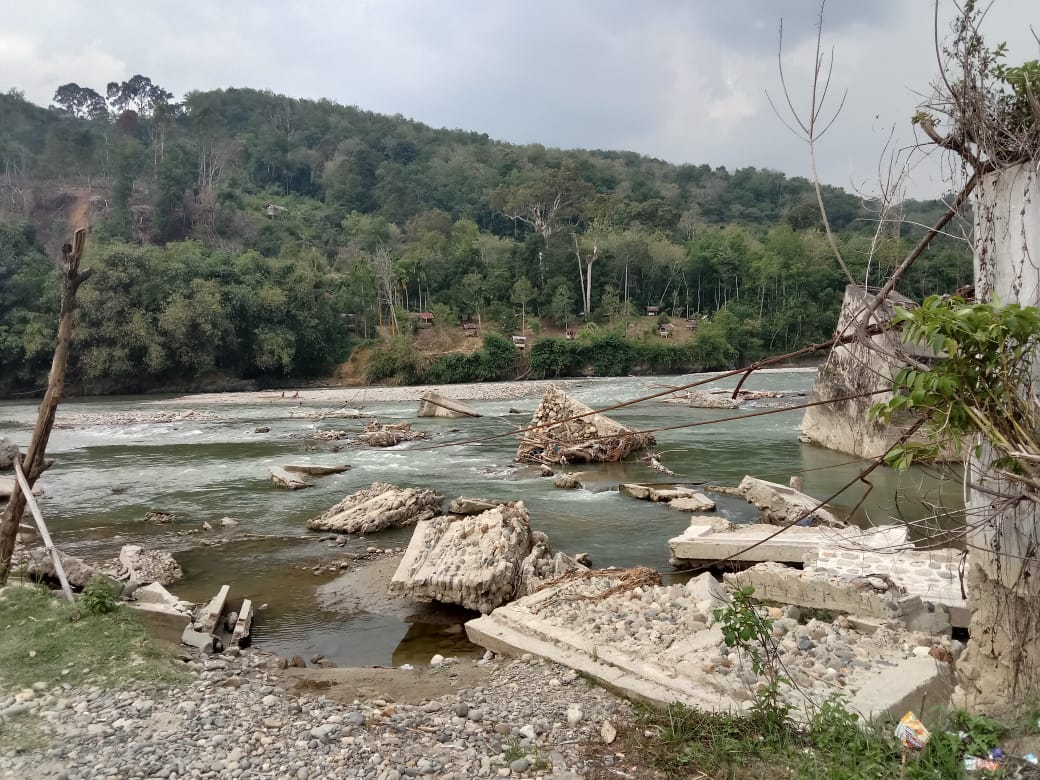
30 499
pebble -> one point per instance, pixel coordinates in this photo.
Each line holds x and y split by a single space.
205 729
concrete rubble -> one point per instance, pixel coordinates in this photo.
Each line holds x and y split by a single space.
214 628
477 561
658 643
676 496
378 434
37 564
166 614
559 438
433 404
707 540
147 566
701 400
378 507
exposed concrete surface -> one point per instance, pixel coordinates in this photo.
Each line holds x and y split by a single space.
433 404
656 643
704 542
855 369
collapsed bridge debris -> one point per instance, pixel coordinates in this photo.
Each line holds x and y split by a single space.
564 430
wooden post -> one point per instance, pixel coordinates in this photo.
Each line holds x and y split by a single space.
44 533
72 278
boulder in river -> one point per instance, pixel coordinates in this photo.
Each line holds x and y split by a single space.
567 431
433 404
378 507
470 506
478 561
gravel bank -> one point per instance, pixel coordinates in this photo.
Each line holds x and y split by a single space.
358 396
241 717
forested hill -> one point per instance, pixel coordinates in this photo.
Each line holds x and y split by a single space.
238 233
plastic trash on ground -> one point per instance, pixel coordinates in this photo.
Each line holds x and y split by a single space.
911 732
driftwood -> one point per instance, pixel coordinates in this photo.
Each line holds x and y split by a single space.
33 466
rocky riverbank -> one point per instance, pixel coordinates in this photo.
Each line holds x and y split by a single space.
240 716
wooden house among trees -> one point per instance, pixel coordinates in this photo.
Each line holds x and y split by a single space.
425 319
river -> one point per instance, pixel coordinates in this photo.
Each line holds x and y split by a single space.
108 476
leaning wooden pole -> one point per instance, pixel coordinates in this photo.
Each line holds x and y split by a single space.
32 464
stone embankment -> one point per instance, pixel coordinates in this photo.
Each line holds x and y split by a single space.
239 717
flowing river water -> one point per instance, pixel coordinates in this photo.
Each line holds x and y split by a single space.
108 476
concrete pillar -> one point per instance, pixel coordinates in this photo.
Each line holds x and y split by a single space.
1001 665
852 369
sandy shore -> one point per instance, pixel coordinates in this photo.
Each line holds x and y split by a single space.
358 396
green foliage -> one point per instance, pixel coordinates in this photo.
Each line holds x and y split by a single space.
974 386
270 210
496 361
99 597
395 362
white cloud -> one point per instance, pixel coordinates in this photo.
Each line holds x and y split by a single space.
39 70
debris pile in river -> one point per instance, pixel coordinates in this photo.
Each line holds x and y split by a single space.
478 561
214 628
701 400
378 434
378 507
564 430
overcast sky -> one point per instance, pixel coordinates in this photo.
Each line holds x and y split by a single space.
683 80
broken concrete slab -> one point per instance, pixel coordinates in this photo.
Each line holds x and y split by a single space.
240 632
698 502
378 507
470 506
315 469
870 597
915 683
564 430
702 542
782 504
655 643
210 614
433 404
676 496
476 561
932 575
284 479
147 566
164 612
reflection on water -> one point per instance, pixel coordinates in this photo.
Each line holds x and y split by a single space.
206 470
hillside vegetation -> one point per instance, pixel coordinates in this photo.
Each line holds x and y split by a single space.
243 235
